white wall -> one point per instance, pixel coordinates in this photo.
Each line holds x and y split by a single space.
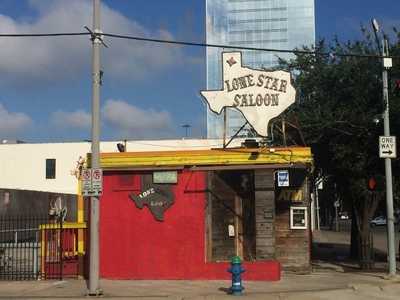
23 166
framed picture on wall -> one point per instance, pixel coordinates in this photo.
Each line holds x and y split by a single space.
298 217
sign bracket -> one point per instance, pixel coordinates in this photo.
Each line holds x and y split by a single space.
235 135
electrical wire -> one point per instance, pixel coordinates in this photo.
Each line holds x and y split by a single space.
295 51
195 44
43 34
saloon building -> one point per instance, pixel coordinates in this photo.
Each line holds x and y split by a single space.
178 214
184 214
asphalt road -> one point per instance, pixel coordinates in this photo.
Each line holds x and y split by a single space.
380 235
332 246
380 238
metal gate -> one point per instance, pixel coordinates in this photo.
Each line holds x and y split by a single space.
33 248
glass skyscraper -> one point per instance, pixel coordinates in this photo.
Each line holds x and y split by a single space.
275 24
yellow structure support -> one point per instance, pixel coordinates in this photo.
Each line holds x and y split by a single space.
80 218
224 157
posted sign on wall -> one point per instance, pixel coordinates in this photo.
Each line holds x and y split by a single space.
283 178
387 147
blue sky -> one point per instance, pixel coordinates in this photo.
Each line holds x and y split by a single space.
149 90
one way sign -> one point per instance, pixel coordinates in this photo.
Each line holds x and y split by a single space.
387 147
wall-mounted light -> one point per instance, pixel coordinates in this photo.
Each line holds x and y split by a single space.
121 147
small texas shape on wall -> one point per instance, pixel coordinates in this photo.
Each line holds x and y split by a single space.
259 95
158 200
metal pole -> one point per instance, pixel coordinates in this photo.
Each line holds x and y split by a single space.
284 131
224 134
312 197
336 219
388 171
317 203
94 288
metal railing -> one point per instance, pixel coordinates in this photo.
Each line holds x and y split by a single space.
37 247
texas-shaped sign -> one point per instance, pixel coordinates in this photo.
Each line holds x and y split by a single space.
259 95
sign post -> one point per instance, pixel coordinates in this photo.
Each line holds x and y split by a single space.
94 252
388 164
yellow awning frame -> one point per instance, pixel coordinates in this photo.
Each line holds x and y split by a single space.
213 157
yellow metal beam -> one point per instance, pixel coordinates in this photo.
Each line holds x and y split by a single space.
65 225
205 157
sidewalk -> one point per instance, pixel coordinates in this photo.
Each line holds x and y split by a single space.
318 285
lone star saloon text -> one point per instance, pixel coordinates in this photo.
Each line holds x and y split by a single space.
247 99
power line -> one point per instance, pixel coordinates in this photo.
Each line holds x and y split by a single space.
184 43
195 44
43 34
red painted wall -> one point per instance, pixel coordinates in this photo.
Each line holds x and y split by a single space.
133 245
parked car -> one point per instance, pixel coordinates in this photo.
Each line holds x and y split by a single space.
378 221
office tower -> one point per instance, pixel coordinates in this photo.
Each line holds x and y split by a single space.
273 24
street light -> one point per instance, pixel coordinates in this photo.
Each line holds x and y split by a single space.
387 63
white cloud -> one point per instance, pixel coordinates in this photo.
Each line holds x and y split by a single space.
12 123
76 120
27 60
131 121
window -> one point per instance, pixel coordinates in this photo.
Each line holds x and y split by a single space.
298 217
50 168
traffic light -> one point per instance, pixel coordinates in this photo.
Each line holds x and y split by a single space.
371 184
376 183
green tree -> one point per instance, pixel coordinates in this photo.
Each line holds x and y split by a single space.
338 98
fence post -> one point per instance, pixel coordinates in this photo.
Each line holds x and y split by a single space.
61 247
35 261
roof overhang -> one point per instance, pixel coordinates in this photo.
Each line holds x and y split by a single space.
232 158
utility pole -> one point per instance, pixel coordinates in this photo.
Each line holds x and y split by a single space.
387 63
94 289
388 167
